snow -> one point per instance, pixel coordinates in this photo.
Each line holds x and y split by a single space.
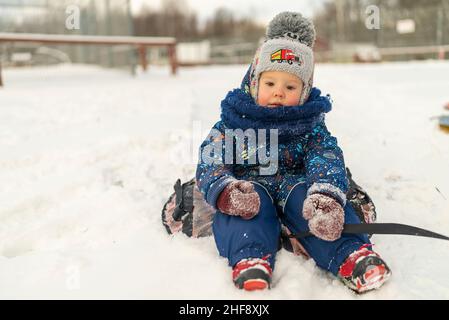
89 156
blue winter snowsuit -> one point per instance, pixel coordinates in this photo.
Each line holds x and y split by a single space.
309 161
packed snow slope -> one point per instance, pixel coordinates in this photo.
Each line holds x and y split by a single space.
89 156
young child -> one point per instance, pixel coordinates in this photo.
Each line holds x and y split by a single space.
308 190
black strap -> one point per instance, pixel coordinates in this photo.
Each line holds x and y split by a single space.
381 228
179 209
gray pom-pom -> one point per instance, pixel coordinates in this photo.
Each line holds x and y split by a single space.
293 25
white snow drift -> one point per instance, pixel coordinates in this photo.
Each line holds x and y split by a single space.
88 157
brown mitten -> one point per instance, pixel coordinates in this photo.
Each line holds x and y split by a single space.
325 215
239 198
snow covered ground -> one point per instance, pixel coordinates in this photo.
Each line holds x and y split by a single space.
88 157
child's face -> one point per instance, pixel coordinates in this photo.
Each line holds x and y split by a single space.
278 88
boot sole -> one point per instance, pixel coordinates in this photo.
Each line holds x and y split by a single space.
253 279
374 279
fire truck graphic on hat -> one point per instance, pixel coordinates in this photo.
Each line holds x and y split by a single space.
285 55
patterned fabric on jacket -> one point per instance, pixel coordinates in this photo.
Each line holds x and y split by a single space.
307 152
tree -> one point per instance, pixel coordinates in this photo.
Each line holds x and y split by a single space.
174 19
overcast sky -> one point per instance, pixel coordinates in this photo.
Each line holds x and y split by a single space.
261 10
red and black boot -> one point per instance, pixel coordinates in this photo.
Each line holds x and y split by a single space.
252 274
364 270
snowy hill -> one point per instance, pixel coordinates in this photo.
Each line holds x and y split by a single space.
89 156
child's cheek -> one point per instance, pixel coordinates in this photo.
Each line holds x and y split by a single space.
293 99
262 99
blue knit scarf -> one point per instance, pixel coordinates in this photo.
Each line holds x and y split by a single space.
239 111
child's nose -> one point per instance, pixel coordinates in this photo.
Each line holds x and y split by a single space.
278 92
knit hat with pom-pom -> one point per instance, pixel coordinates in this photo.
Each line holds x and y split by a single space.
288 48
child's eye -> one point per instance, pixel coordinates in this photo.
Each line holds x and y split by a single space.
291 87
270 84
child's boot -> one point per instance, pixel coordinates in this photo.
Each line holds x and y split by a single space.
364 270
252 274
